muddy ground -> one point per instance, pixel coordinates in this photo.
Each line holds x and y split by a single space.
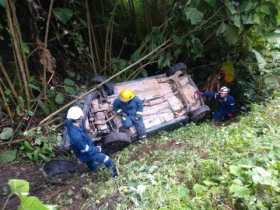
70 194
39 186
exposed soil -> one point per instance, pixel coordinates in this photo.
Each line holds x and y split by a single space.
70 194
57 194
171 145
39 186
109 202
150 148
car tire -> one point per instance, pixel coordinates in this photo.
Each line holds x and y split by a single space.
108 87
177 67
58 171
200 113
115 141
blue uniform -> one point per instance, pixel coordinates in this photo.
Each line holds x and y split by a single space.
130 109
226 105
85 149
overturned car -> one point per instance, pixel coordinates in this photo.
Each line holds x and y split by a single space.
168 100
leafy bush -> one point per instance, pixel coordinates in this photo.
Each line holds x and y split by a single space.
20 188
39 146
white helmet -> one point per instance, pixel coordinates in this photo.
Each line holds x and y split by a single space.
75 113
224 89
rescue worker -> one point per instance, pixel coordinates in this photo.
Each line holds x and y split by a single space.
226 103
83 146
130 107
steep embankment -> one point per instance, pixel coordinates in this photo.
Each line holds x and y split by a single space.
201 167
194 167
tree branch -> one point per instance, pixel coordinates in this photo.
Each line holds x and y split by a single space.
104 82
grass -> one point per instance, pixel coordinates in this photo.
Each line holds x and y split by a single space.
199 167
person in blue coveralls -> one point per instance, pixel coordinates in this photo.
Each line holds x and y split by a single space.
130 107
83 146
226 103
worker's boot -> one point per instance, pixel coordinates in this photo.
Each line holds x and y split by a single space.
143 136
217 123
110 164
115 171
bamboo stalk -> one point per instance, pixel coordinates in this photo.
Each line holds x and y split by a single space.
122 47
104 82
6 88
18 75
107 48
45 83
48 23
12 21
90 39
20 41
93 36
6 105
110 45
102 8
95 47
4 72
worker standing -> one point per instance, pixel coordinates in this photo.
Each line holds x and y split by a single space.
83 146
226 103
130 107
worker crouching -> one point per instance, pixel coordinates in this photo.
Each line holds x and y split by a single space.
226 103
130 107
83 146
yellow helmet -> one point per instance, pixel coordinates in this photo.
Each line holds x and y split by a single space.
126 95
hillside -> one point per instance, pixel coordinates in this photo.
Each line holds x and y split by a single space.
201 167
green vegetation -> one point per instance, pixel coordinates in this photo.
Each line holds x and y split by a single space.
201 167
81 38
50 58
39 147
20 188
50 52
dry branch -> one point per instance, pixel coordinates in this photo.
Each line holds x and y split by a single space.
102 83
9 81
89 24
45 61
17 48
6 105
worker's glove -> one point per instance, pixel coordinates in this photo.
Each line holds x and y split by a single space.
119 111
87 148
138 115
122 114
99 149
198 93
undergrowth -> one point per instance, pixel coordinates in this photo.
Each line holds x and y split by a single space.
206 167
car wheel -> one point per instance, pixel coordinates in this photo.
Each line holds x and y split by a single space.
108 87
57 171
177 67
116 141
200 113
